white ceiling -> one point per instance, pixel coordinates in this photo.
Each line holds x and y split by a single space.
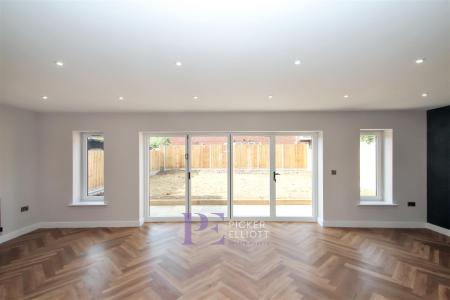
235 53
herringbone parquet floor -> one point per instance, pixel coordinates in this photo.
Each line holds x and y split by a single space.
296 261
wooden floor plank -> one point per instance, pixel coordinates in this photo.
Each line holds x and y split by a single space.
295 261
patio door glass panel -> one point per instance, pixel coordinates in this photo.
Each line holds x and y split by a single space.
209 174
167 176
294 176
251 176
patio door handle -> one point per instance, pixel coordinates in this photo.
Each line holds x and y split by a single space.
275 176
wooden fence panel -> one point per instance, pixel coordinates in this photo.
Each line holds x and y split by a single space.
217 156
292 156
264 156
209 156
174 156
156 162
201 157
240 156
254 156
245 156
279 158
96 169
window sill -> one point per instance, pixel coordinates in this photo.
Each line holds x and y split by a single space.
89 203
376 203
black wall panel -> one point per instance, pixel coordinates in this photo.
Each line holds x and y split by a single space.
438 161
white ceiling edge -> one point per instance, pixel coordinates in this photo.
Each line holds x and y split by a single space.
143 112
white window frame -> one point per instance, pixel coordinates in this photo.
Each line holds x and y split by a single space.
84 169
379 165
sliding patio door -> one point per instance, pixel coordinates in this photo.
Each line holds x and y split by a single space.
208 158
251 176
293 176
237 175
167 184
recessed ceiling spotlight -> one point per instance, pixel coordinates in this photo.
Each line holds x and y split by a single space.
270 97
121 98
424 95
297 62
420 61
59 63
346 96
178 64
195 98
44 97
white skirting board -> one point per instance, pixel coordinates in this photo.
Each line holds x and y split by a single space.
370 224
16 233
373 224
90 224
439 229
83 224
